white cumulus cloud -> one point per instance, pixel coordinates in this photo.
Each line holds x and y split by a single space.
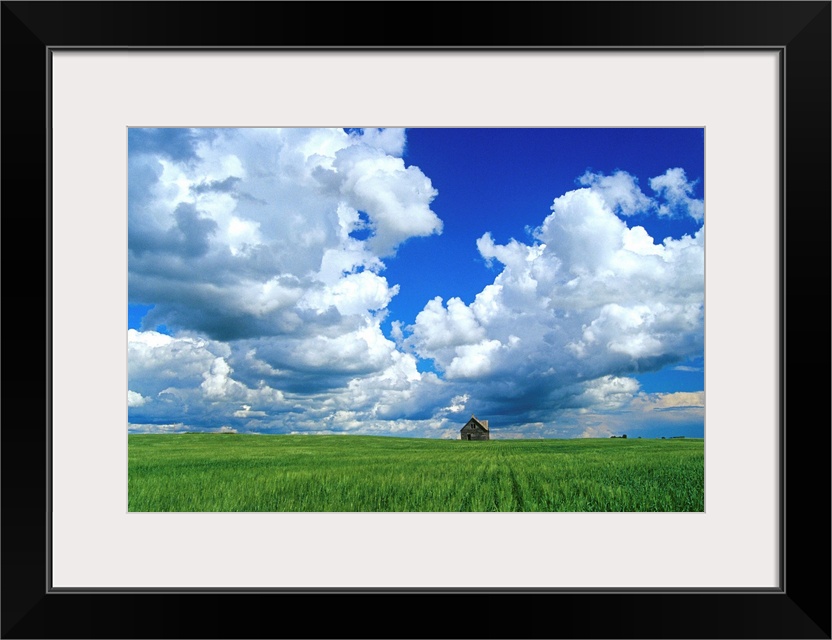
135 399
620 191
573 313
264 254
674 187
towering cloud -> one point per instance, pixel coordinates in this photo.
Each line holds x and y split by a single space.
263 252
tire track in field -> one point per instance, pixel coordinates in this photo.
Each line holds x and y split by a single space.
516 493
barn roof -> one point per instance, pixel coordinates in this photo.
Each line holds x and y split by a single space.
482 423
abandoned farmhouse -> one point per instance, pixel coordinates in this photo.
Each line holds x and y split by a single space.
475 430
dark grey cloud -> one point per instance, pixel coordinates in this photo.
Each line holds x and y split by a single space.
189 237
194 231
216 320
144 173
230 185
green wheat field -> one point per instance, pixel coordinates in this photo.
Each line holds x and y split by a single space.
235 472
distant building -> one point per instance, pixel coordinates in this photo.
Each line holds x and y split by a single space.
475 430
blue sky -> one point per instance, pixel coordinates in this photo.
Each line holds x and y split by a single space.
394 282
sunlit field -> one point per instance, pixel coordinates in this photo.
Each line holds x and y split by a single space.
231 472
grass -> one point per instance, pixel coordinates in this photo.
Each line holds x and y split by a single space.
231 472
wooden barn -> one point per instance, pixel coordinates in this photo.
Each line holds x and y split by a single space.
475 430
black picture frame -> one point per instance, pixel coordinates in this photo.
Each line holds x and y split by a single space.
799 608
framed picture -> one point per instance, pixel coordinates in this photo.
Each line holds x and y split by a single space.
753 77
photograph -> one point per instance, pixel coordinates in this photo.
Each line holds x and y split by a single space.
420 310
416 320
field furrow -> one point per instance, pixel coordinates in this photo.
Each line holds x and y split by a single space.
229 472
